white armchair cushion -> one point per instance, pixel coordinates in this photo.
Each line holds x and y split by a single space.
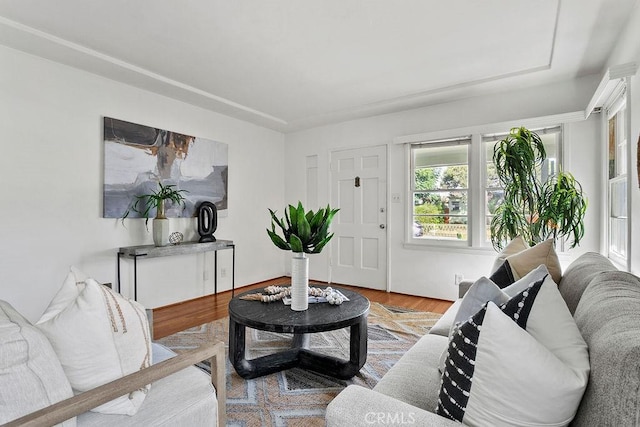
31 377
99 336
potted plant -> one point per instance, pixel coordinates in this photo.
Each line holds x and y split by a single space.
533 209
302 233
146 203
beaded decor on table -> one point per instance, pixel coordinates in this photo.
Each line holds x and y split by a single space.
277 293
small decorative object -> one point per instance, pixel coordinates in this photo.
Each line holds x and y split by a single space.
175 238
303 233
333 297
207 221
156 199
278 293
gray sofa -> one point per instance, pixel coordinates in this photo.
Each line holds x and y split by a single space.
605 304
180 395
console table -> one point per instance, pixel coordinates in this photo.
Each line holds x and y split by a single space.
151 251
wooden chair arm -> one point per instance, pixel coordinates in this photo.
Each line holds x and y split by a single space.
83 402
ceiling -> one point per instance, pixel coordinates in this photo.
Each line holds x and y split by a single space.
295 64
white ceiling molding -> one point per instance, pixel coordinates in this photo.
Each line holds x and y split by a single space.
189 92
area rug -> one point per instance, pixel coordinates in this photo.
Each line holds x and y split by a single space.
296 397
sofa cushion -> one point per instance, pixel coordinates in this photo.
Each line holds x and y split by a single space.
531 338
415 378
31 377
578 275
608 316
518 265
99 336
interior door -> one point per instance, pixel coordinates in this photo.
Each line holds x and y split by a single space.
359 189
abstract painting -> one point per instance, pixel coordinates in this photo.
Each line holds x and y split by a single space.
137 157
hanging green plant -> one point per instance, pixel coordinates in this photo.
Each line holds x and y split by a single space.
532 209
302 231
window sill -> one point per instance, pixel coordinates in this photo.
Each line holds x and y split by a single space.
448 246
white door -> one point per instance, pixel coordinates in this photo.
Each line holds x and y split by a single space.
359 189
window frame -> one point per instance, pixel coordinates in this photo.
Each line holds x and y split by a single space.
409 229
495 137
617 101
477 158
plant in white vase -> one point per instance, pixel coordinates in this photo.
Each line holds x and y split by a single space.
145 203
302 233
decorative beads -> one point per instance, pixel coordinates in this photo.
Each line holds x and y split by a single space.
277 293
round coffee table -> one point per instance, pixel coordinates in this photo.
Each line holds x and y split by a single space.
319 317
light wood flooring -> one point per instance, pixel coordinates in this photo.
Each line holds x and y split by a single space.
177 317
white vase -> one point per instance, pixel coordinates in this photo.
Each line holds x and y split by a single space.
299 281
161 231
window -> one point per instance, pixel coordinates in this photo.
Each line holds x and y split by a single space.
493 192
454 189
617 177
440 189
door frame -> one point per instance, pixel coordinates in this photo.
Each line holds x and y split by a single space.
387 252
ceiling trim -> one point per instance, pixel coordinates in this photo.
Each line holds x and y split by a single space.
137 70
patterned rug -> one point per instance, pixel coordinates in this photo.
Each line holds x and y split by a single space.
296 397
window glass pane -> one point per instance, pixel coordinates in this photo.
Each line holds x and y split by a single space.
427 178
494 195
618 236
612 147
437 228
487 228
455 177
453 203
494 198
440 184
618 192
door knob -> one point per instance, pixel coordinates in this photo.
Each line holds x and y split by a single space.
382 226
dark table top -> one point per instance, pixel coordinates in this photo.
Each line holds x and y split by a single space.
319 317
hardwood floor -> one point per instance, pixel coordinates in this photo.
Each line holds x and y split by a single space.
177 317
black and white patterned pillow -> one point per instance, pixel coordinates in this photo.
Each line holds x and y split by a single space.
460 365
506 363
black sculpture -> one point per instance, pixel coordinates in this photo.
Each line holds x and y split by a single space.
207 221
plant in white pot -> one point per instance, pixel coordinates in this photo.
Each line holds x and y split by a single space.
157 199
302 233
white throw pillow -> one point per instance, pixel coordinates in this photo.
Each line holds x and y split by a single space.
524 363
31 377
99 336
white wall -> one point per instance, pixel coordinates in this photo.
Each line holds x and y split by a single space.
430 271
52 176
